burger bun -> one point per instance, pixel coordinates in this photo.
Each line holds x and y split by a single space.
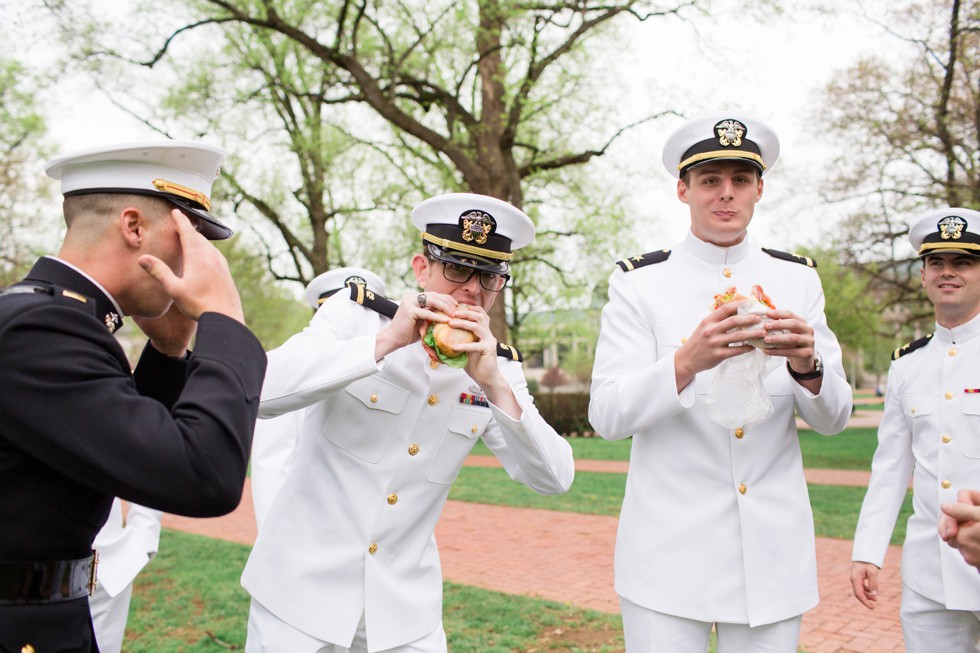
447 338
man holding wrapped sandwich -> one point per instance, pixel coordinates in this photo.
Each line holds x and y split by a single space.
347 559
716 527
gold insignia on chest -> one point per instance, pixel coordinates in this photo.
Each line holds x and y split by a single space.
111 321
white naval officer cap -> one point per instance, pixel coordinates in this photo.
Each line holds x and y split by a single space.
328 283
179 171
473 230
721 137
947 231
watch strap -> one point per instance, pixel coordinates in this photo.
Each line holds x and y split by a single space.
808 376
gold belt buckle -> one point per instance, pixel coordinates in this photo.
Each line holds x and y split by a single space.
92 582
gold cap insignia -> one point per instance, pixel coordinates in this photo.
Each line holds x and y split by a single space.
730 133
477 226
951 227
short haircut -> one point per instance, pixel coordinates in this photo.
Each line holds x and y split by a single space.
103 204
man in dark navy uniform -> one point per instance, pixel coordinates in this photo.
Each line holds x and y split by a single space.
77 426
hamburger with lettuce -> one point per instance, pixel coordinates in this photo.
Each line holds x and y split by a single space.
440 341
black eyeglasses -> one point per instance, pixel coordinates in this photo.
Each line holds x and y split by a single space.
461 274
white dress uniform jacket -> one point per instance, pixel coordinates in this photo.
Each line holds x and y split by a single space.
929 432
273 447
716 523
124 546
351 530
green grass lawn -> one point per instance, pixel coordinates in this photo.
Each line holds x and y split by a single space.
189 600
851 449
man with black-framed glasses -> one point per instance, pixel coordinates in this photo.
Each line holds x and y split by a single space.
347 560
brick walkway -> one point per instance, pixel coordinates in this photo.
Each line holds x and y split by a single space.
568 557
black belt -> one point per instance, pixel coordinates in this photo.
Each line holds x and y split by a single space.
47 581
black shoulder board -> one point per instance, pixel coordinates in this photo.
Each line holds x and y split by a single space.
910 347
649 258
369 299
62 296
507 351
23 289
795 258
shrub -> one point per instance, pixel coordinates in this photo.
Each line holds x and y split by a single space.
567 412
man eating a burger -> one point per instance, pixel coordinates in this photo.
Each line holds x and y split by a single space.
716 528
394 396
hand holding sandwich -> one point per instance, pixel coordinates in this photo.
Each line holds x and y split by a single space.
783 332
712 342
406 326
412 323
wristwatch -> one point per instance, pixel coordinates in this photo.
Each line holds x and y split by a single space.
809 376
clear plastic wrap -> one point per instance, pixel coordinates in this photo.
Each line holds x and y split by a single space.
738 397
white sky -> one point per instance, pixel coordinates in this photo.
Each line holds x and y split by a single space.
729 60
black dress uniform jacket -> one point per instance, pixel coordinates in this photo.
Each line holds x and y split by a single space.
78 428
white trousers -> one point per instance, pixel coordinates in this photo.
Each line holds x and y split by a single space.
647 631
928 626
267 633
109 615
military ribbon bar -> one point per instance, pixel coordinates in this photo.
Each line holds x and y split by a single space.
473 400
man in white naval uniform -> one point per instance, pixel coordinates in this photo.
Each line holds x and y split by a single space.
274 440
347 559
125 546
716 527
930 433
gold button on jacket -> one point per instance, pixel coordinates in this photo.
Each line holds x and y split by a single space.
392 499
413 449
433 400
742 488
739 433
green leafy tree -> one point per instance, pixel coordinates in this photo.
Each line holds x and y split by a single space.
906 125
272 312
22 146
857 315
377 105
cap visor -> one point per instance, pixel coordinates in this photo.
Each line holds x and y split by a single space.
951 250
208 226
467 260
